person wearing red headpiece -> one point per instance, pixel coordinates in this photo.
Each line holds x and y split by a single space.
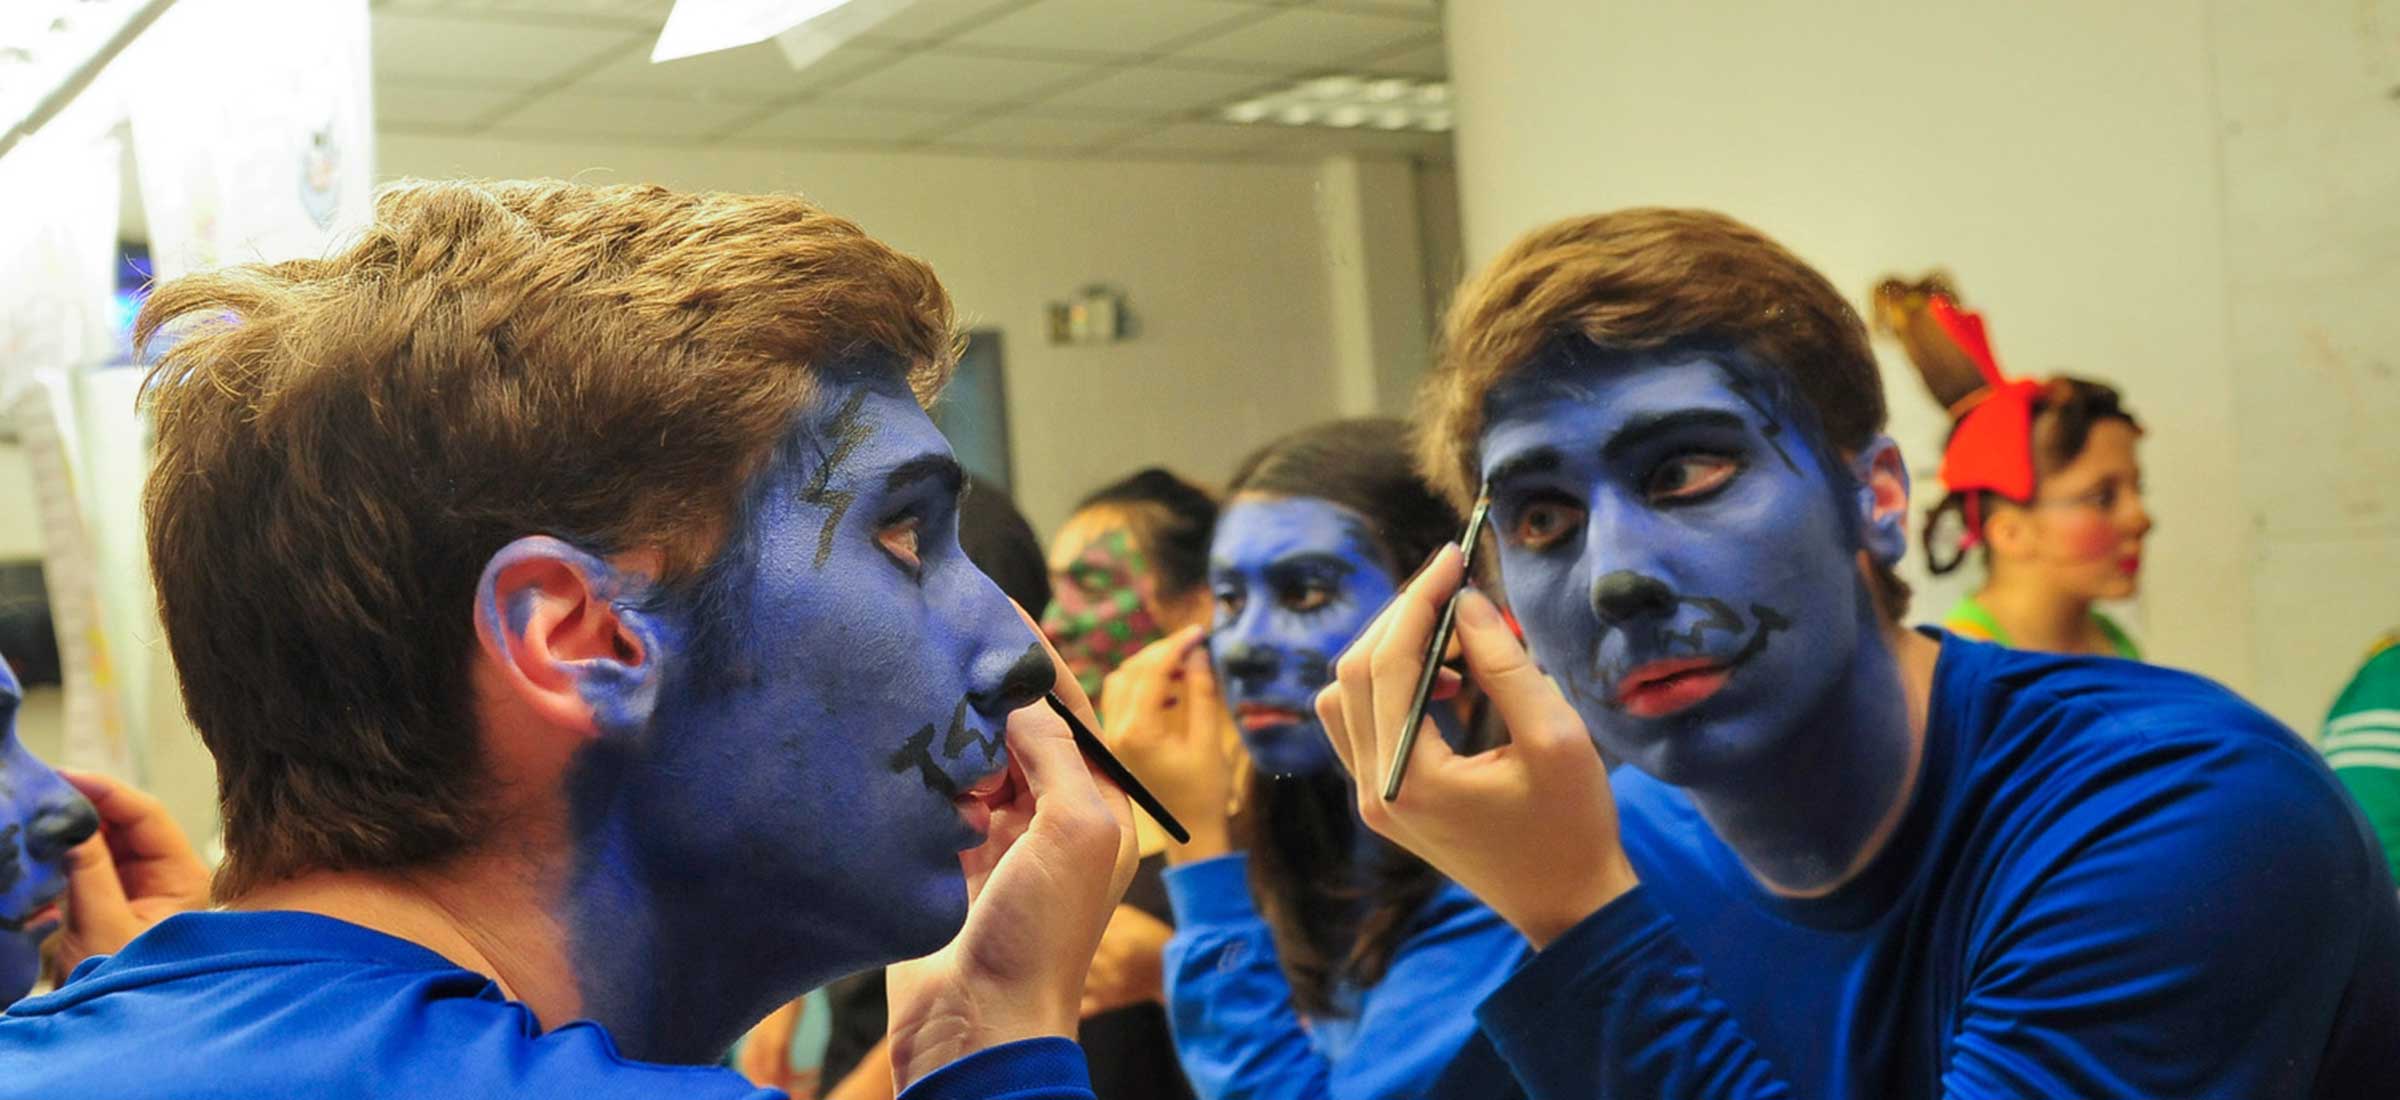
2041 476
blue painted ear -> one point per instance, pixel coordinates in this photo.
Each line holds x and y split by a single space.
570 635
1882 479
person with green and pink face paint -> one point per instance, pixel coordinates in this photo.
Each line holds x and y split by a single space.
1126 569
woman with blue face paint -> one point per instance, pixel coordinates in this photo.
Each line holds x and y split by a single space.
1842 859
1310 958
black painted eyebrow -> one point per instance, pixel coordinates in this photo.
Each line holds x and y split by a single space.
930 466
1540 460
1311 561
1640 430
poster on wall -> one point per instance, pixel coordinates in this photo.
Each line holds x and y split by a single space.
252 130
93 730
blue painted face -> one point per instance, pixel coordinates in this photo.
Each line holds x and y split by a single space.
1295 580
819 701
40 818
1681 556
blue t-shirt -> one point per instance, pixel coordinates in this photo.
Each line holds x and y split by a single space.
1240 1038
236 1006
2113 880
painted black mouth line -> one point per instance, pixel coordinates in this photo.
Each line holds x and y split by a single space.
19 924
917 751
1720 616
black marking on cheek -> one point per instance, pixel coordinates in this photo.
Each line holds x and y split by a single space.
1744 388
1315 667
847 429
917 753
962 735
12 867
1720 616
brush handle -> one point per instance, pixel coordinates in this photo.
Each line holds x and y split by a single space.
1118 773
1422 699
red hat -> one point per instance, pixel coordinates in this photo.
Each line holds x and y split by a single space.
1991 446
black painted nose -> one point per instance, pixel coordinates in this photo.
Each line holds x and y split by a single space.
1249 662
1625 596
1025 681
59 828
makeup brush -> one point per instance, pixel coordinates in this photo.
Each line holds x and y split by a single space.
1441 641
1118 773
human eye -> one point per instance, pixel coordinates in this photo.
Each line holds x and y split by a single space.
902 537
1229 601
1691 477
1306 596
1543 522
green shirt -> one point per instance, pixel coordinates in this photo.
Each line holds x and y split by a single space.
1969 618
2362 742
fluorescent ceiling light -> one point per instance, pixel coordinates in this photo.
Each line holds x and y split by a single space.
1348 101
696 27
47 45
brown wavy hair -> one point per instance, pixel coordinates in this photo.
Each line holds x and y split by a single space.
1646 279
342 443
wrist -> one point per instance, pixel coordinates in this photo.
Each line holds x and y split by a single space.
1547 917
936 1034
1212 836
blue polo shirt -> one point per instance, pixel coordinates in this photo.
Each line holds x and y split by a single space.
2112 880
220 1006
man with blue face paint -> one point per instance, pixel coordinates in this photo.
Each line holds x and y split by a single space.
1845 859
567 582
41 819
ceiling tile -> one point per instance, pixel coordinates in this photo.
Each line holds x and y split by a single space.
1038 134
752 74
1408 142
929 20
939 79
629 118
819 122
437 49
438 106
1107 26
1305 37
1201 137
1423 60
1156 90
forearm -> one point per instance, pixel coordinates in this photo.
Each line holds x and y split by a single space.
1618 1008
1236 1031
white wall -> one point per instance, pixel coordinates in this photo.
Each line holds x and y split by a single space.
2063 159
1223 264
2308 101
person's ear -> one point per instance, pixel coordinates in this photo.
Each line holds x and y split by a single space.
1882 479
567 637
2008 530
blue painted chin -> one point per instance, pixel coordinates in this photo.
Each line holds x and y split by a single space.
1289 748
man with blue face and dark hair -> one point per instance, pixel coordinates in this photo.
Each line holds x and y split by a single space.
567 582
1844 859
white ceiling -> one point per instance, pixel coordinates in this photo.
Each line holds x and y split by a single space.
1020 77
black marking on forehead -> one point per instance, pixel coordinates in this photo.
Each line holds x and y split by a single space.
1749 390
847 430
